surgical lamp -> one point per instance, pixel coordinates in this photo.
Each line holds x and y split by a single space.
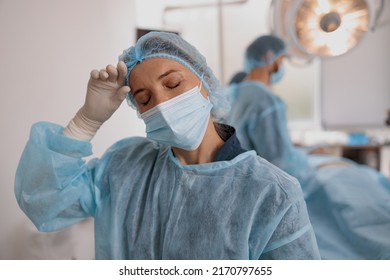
323 28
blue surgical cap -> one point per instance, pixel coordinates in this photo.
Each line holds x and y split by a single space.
263 51
171 46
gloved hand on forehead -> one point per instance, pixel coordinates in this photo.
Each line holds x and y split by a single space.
105 92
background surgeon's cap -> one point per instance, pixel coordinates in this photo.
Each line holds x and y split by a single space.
171 46
263 51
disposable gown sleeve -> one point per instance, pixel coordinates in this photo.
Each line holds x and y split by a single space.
53 184
268 135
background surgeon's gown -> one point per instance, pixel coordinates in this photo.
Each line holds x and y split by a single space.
348 203
147 205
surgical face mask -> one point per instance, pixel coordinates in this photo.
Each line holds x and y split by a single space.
179 122
277 76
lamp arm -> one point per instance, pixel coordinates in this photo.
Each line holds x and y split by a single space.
378 14
271 18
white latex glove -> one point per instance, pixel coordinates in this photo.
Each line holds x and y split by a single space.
105 93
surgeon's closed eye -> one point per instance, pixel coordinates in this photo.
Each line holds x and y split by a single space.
142 98
172 83
173 86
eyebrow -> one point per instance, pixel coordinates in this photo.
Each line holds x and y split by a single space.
167 73
159 78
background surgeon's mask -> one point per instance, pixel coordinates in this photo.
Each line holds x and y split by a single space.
180 121
278 75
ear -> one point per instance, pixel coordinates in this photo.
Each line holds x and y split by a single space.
274 67
278 62
204 92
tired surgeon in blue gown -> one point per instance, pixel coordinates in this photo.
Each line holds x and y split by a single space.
186 191
348 203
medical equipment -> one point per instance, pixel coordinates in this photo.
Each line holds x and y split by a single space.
323 28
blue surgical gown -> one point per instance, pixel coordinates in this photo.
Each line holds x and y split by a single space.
147 205
348 203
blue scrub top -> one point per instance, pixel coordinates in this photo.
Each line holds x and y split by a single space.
232 146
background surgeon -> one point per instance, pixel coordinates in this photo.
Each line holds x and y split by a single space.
348 203
186 191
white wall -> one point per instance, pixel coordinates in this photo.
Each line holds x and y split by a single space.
48 49
356 86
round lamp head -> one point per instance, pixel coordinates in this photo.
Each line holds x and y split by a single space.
320 28
329 27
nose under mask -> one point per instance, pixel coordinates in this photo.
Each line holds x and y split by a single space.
180 121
